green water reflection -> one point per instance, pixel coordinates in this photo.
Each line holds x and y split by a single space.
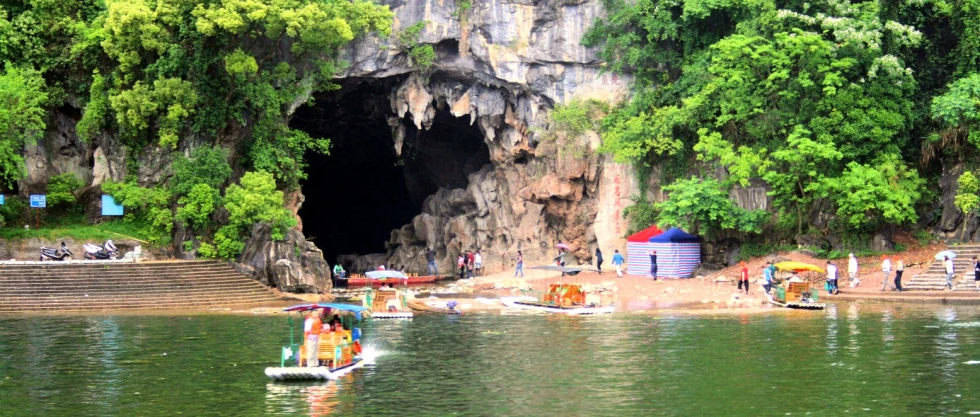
867 360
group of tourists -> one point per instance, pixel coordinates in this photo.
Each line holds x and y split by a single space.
618 261
469 264
314 328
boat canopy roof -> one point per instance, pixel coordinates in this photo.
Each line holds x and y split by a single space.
798 266
357 310
385 274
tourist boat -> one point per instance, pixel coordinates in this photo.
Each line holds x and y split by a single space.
403 280
338 352
796 294
560 299
387 303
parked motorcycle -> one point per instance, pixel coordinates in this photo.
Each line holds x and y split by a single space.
107 251
52 254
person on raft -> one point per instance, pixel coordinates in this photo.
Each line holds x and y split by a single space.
312 328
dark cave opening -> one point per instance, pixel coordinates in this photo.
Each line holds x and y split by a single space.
363 190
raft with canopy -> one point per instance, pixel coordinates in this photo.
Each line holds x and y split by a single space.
797 293
386 304
337 353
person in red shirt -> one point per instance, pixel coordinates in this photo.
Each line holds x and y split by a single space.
743 278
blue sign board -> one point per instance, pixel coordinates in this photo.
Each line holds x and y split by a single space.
39 200
1 199
110 207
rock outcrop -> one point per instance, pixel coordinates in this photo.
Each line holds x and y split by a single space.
505 64
291 265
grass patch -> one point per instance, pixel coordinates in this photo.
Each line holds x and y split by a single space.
73 226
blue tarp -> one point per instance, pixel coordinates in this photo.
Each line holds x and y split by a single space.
675 235
333 306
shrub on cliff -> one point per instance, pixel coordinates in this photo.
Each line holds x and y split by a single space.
254 199
21 116
702 206
150 206
62 189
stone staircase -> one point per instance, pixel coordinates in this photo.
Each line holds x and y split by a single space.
75 286
934 278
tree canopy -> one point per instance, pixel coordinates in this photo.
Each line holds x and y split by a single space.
822 101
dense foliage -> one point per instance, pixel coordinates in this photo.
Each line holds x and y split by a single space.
827 102
218 79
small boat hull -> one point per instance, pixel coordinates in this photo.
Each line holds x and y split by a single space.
392 314
796 305
296 373
420 306
528 304
360 281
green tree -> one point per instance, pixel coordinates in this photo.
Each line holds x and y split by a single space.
702 206
967 199
62 190
21 117
195 208
150 206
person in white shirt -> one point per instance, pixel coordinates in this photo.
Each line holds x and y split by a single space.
886 269
852 270
948 263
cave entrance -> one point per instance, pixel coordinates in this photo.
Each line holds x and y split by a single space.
363 190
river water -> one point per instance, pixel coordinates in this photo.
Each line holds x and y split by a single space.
851 359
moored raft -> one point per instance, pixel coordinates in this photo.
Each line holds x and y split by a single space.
296 373
529 303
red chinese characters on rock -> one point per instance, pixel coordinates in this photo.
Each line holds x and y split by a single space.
617 204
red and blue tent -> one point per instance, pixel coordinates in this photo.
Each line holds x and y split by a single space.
678 253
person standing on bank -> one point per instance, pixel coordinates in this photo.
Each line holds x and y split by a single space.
598 259
478 263
430 256
653 264
743 277
852 270
886 270
560 259
831 278
976 274
899 270
948 263
767 277
520 264
618 263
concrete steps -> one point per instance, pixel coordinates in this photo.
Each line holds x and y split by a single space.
934 277
72 286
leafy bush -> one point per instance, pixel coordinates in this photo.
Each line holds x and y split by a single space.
702 206
420 56
576 117
148 205
206 165
967 199
21 116
640 215
12 211
256 200
228 244
196 207
62 189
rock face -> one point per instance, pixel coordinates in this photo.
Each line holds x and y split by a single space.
505 64
291 265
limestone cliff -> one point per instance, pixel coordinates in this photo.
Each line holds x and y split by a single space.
505 64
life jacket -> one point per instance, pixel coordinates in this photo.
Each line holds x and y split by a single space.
317 326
